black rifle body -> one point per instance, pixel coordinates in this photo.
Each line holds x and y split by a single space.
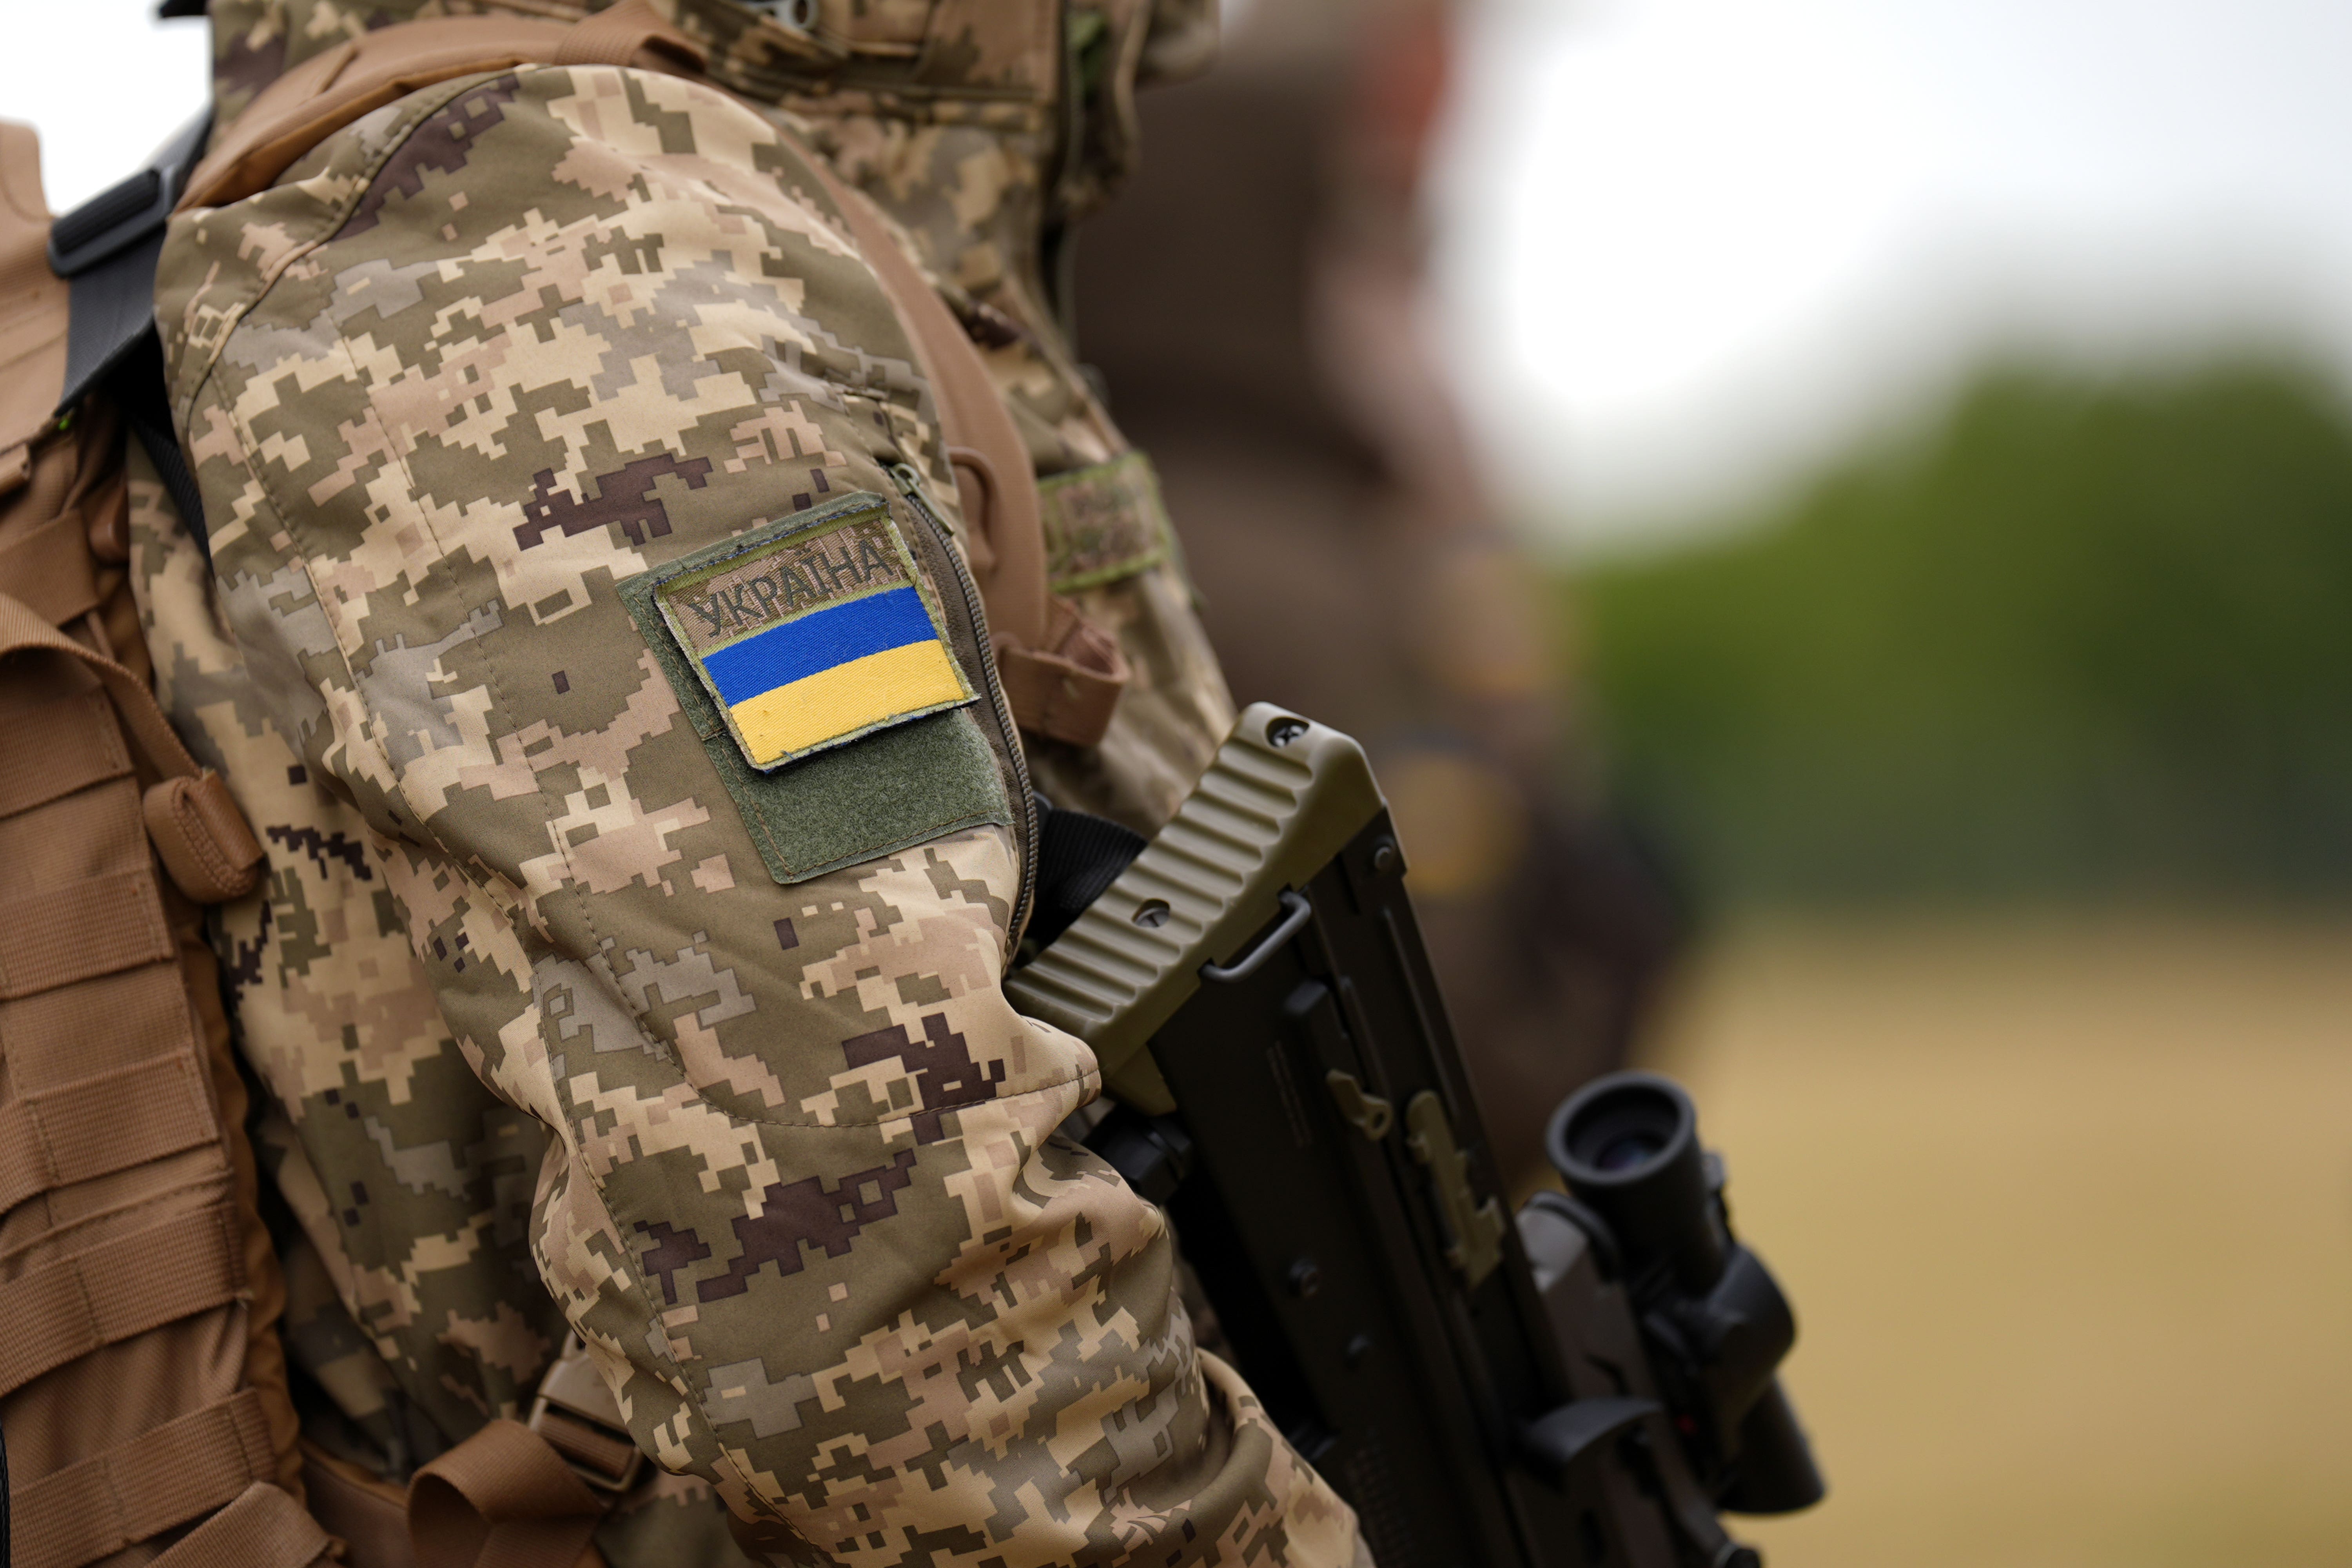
1326 1250
1477 1385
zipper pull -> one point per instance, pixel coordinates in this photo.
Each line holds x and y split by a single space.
910 481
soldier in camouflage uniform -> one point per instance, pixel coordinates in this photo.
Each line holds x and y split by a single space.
573 1007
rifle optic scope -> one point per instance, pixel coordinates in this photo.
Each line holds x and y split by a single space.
1627 1145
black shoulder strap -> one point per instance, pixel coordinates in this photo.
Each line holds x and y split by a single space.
1079 856
108 248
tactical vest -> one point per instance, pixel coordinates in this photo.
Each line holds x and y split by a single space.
142 1388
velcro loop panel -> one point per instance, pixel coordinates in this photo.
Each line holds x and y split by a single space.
501 1498
97 1126
58 748
180 1470
264 1528
50 569
1103 523
203 838
1068 690
119 1289
77 933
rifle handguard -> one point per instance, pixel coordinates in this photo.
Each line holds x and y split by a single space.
1283 796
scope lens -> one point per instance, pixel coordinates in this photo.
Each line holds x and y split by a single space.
1625 1153
1619 1131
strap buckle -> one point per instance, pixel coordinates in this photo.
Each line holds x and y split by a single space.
580 1419
129 211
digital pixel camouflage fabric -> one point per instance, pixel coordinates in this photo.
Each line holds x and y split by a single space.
546 1041
946 113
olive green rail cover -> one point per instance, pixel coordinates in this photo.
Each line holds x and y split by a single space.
1283 796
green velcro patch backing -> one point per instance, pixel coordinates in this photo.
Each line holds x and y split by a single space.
811 632
1103 523
894 780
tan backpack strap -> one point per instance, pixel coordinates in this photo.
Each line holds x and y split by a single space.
501 1498
622 35
23 207
327 92
33 305
264 1528
1062 676
994 478
1067 688
176 1472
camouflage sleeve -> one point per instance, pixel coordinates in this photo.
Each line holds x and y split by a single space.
499 402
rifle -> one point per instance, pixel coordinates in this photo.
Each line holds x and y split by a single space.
1587 1383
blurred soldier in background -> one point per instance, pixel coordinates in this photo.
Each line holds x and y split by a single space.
1255 303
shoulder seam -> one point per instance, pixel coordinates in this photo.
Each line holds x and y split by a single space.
419 107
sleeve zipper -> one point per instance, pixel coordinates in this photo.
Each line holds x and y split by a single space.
910 485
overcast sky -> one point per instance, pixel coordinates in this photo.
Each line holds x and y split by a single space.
1689 245
102 81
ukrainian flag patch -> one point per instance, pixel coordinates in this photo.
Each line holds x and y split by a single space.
810 633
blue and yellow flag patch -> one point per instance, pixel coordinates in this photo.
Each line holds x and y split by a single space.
810 633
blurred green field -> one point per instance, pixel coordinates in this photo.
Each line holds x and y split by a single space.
2010 765
2078 639
2065 1206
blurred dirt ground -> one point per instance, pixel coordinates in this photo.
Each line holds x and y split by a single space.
2065 1206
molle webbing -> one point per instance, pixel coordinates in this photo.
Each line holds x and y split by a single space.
52 563
124 1239
167 1475
94 927
141 1383
127 1286
263 1528
84 749
96 1126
